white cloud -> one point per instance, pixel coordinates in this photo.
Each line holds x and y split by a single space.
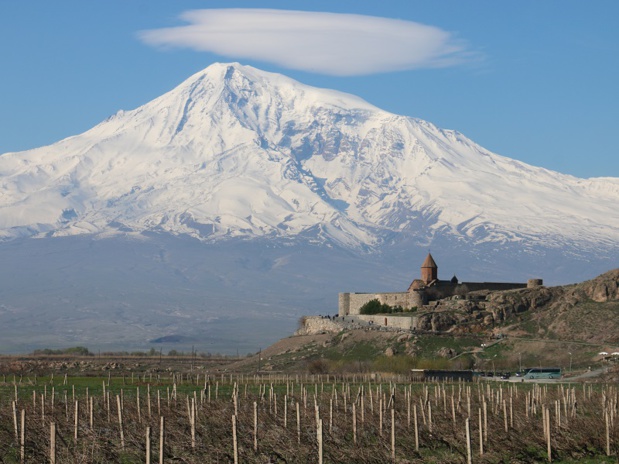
326 43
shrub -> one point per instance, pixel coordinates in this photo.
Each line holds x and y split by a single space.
375 307
318 366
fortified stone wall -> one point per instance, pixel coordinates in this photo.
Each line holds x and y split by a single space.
493 286
350 303
445 289
396 322
318 324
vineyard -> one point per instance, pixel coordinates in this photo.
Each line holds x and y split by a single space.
224 418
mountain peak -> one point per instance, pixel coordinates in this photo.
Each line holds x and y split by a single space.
234 151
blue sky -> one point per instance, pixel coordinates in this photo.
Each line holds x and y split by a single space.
533 80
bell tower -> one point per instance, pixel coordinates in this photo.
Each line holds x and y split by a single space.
429 270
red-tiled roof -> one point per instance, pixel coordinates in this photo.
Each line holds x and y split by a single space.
429 262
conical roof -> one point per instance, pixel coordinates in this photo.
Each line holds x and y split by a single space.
429 262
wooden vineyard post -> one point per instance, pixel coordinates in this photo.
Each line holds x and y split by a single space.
416 427
148 401
453 411
607 433
317 412
285 411
148 445
362 408
76 420
107 405
469 458
408 412
485 421
137 401
298 424
354 423
52 443
371 399
549 449
430 416
331 415
392 433
22 442
90 412
193 423
481 434
380 416
234 441
319 437
255 426
161 439
120 422
15 426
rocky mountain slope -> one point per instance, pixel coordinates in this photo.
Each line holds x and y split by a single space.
547 325
584 312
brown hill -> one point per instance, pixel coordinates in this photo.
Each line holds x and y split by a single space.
565 325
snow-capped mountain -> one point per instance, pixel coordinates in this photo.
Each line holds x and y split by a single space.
223 210
237 152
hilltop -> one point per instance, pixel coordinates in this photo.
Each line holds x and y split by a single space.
528 327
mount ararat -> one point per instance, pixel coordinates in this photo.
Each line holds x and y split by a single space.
227 207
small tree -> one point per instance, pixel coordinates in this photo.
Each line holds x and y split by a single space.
375 307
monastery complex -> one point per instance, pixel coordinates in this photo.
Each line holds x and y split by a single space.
425 292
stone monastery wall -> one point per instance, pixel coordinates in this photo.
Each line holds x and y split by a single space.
350 303
318 324
321 324
396 322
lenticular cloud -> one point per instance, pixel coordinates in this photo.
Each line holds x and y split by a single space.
326 43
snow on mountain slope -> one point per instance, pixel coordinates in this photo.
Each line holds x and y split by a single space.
237 152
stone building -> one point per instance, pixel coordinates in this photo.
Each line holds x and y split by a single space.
425 290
